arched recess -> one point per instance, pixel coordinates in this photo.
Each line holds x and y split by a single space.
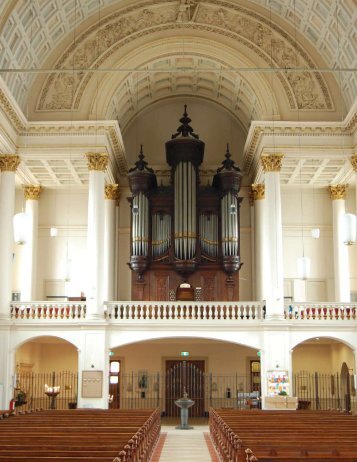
322 371
156 372
248 33
155 124
46 372
322 354
203 69
248 339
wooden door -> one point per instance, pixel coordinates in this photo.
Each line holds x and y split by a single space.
184 376
114 384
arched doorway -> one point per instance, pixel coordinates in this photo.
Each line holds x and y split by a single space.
346 387
321 374
46 374
154 373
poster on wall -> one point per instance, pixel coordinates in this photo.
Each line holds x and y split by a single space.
278 383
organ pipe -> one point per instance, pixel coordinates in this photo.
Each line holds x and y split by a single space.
161 234
140 219
185 211
171 222
208 225
229 217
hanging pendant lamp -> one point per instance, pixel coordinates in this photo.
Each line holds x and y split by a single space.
21 222
315 233
304 265
349 223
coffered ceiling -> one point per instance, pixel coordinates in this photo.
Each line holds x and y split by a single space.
255 60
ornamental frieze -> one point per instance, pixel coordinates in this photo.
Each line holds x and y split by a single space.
9 162
272 163
354 162
338 191
32 192
257 191
304 90
112 192
97 161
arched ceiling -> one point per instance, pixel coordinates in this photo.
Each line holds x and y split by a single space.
93 34
257 60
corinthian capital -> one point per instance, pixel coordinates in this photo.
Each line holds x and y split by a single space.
354 162
272 162
97 161
112 192
9 162
32 192
338 191
258 191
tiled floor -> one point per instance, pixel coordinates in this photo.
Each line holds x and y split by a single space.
184 445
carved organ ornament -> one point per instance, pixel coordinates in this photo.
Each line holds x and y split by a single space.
185 230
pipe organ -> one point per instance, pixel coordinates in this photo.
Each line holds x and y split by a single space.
185 232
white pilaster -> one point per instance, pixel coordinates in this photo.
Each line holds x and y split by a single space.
93 357
95 240
354 165
340 251
258 195
111 197
275 355
274 275
8 166
7 361
29 264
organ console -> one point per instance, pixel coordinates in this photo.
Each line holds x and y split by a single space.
185 232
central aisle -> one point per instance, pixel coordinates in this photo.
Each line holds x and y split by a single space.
184 445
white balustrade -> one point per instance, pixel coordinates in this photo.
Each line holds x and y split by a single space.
199 311
47 310
182 311
321 311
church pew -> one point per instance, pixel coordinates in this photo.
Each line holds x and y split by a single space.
284 435
98 435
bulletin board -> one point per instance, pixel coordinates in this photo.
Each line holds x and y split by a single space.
92 384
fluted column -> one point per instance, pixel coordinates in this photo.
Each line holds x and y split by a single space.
258 196
8 166
29 264
274 276
354 165
97 163
112 197
340 251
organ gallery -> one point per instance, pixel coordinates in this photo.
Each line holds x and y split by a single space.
185 237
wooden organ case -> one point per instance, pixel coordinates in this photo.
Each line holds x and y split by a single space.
185 238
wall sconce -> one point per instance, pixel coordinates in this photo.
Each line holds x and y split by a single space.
315 233
21 222
304 264
53 231
348 228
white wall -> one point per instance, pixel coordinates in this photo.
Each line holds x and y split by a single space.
67 209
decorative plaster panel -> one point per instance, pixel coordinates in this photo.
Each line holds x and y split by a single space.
304 90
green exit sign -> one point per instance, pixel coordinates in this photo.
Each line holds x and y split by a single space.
185 353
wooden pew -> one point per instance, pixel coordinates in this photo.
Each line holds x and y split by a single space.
282 435
78 435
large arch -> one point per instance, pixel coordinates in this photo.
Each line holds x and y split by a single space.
158 371
248 339
247 32
22 337
46 373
